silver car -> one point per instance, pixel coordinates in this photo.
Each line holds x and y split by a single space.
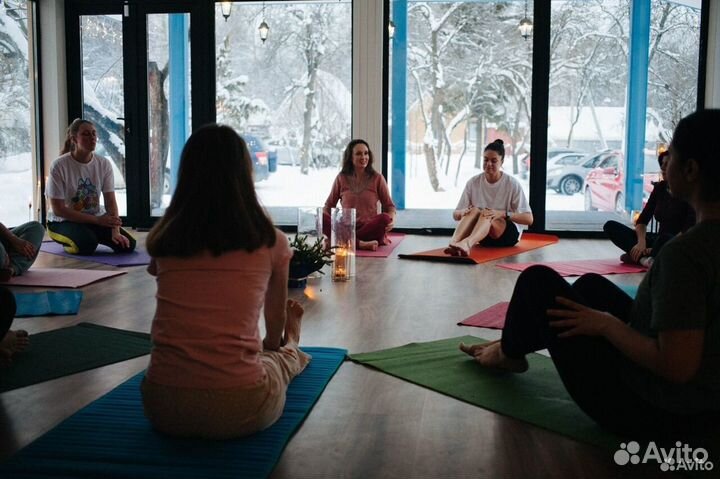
566 172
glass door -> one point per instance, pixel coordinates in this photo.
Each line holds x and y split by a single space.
129 73
103 91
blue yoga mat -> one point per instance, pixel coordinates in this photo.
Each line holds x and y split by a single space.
46 303
111 438
631 290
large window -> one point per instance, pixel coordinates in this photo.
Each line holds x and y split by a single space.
103 91
461 77
20 198
587 160
289 95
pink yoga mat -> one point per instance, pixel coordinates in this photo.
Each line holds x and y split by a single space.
492 317
580 267
103 255
61 277
384 250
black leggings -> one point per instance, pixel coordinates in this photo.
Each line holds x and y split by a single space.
625 238
83 239
590 367
7 310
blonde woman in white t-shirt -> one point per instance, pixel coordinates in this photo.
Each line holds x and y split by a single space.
490 207
77 220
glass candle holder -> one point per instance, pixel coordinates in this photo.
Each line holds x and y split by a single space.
342 241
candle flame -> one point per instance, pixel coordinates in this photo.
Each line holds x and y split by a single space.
310 293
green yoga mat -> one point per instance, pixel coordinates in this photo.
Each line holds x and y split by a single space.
66 351
537 396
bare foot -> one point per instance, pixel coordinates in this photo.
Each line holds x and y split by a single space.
492 357
295 313
368 245
463 247
472 349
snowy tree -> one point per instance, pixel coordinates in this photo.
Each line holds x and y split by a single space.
301 74
233 106
14 92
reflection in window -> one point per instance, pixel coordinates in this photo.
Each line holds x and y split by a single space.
18 198
289 96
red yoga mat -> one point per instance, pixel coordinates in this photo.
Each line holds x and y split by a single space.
492 317
384 250
61 277
580 267
482 254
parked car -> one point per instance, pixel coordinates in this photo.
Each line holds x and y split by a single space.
524 166
566 172
260 155
605 184
286 155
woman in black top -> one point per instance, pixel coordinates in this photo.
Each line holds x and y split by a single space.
673 216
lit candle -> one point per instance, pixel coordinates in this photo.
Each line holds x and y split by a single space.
340 265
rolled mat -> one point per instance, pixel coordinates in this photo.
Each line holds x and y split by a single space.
482 254
47 303
103 255
66 351
537 397
111 438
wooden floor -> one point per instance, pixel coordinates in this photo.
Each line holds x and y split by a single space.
366 424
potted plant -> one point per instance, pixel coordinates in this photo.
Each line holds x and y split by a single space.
307 258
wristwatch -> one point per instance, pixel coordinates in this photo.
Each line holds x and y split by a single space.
507 216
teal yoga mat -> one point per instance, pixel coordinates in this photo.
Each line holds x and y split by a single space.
66 351
537 397
111 438
47 303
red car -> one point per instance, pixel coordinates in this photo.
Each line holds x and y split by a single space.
605 184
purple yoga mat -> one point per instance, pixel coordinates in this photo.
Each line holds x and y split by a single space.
103 255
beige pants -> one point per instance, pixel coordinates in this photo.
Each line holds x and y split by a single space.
225 413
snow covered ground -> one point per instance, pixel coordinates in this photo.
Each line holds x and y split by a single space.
288 187
285 187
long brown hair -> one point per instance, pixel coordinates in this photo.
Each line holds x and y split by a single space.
72 130
214 207
347 164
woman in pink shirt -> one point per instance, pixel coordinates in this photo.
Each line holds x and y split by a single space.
359 186
219 261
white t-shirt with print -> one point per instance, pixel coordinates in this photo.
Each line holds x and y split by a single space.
506 194
79 185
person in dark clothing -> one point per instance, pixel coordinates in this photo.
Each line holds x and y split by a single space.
673 216
643 367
